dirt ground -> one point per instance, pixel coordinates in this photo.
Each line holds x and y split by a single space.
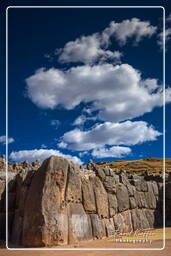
155 241
102 243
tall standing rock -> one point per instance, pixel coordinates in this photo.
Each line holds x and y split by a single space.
79 224
88 196
122 197
101 198
45 218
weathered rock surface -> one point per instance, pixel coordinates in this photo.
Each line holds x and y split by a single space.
98 226
122 197
60 203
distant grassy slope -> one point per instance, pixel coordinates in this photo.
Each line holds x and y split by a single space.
151 165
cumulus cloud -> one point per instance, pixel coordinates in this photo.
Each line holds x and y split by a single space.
62 144
3 140
40 154
115 152
87 49
114 91
108 133
83 153
151 85
80 120
129 28
167 34
167 37
93 48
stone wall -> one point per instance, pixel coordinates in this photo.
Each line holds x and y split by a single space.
62 203
18 175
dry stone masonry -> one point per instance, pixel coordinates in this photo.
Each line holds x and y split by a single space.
61 203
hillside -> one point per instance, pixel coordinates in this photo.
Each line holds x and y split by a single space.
153 166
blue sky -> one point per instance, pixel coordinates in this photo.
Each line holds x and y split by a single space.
86 88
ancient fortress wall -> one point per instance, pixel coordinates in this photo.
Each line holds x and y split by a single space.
61 203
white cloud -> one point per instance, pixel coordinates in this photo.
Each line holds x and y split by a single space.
167 34
129 28
3 140
62 145
113 90
151 85
83 153
43 146
86 49
116 152
108 133
55 123
167 37
93 48
80 120
40 154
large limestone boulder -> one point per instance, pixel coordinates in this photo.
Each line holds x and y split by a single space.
119 223
73 186
100 197
113 204
45 215
110 184
88 196
100 173
79 224
127 221
110 227
122 197
98 226
150 197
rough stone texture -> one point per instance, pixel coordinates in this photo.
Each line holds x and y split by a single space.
150 197
18 180
73 189
101 198
140 185
100 173
133 203
46 216
79 224
131 190
119 222
155 188
141 199
60 203
113 204
122 197
88 196
168 203
128 221
110 184
98 226
110 227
